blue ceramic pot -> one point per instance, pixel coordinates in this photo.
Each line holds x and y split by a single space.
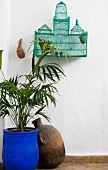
20 150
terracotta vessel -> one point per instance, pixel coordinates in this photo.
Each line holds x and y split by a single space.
20 52
51 145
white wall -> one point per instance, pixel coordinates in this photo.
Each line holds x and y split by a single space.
81 114
1 48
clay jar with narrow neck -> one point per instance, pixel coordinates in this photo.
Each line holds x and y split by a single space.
51 145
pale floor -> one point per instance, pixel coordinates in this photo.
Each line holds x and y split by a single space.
85 166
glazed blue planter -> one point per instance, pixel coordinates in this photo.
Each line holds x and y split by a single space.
20 151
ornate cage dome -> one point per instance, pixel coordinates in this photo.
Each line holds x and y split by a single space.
61 11
77 29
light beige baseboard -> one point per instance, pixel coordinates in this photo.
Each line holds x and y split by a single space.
86 159
81 159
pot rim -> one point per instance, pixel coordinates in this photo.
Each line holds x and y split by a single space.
8 131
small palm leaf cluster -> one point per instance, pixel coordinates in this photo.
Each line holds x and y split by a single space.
17 99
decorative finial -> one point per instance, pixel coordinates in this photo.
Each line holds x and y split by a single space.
61 2
77 23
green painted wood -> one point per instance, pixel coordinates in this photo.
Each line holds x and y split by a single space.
73 41
1 58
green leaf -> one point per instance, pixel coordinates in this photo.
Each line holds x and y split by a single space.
44 73
45 116
39 110
51 50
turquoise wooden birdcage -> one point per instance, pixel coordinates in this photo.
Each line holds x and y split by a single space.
73 41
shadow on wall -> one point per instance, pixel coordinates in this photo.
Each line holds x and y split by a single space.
62 61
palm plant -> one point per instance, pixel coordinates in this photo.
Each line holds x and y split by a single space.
17 99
